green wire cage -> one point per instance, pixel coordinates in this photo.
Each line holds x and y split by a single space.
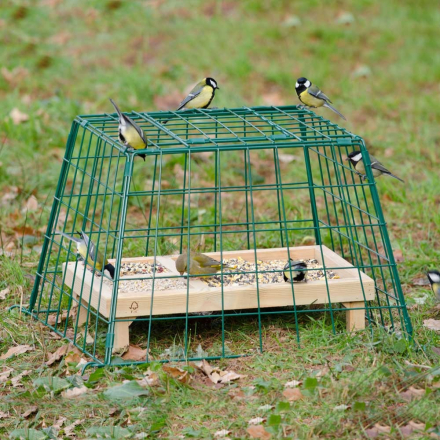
255 185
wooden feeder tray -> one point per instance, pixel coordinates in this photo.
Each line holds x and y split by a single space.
347 289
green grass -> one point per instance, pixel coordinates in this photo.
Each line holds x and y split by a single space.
76 55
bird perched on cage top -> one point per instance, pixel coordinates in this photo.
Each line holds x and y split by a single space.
130 134
298 272
355 158
200 264
312 96
82 244
434 279
201 95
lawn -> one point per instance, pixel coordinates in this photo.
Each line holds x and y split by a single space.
379 62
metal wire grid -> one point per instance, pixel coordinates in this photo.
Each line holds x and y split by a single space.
96 188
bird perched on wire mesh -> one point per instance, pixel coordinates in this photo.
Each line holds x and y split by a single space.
93 257
312 96
298 273
434 279
199 264
130 134
355 158
200 96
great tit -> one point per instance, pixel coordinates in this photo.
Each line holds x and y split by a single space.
201 95
130 134
355 158
312 96
200 264
82 244
298 272
434 279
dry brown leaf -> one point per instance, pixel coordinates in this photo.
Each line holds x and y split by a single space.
204 366
17 116
72 393
59 423
14 351
58 354
292 394
90 339
258 431
151 379
9 194
14 76
229 376
412 393
292 383
432 324
177 373
31 203
3 415
4 292
52 318
257 420
398 256
236 394
221 434
135 353
5 374
15 381
31 410
68 430
25 230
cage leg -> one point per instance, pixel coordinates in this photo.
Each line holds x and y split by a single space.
122 335
355 318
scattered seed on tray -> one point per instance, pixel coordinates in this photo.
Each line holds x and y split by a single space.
141 268
245 278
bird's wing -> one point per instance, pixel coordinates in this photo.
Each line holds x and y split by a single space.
192 94
129 121
378 166
317 93
206 261
69 237
91 247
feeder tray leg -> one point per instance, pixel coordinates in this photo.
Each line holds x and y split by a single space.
355 318
82 310
122 335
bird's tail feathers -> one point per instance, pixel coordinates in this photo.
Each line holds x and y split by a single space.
392 175
116 108
332 108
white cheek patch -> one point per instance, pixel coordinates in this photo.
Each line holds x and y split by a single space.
434 277
214 84
296 85
357 158
308 83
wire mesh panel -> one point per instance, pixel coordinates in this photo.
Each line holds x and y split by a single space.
250 187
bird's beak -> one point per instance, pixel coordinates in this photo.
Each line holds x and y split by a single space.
218 88
347 158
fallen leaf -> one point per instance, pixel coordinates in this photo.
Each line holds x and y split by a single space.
236 394
229 376
292 394
68 430
257 420
135 353
55 318
15 381
432 324
258 431
292 383
72 393
287 158
5 374
341 407
14 351
31 203
4 292
3 415
59 423
73 355
18 117
204 366
266 407
222 433
31 410
89 337
361 71
9 194
61 351
345 18
150 380
436 350
177 373
398 256
412 393
14 76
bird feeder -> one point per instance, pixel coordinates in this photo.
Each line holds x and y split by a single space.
255 186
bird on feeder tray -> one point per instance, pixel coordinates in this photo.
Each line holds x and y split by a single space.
200 96
297 273
312 96
93 258
434 279
130 134
199 264
355 158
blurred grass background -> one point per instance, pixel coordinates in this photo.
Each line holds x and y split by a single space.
378 61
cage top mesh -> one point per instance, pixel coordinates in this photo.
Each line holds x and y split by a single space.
252 186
